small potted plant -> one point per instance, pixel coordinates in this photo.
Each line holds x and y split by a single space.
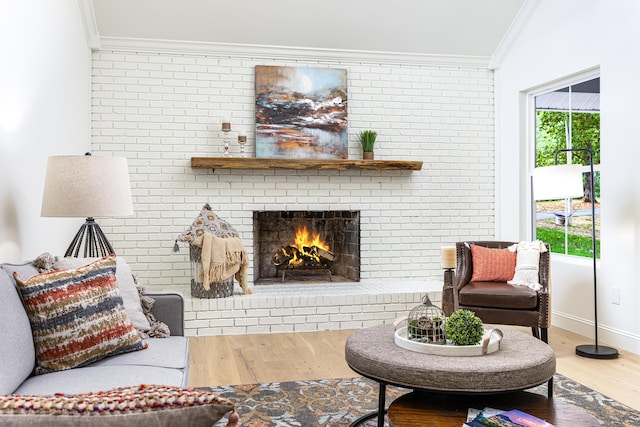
367 139
463 327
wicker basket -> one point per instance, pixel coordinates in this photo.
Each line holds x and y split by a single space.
221 289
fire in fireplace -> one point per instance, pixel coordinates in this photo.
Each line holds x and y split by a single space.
306 252
306 245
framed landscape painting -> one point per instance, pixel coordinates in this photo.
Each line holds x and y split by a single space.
301 112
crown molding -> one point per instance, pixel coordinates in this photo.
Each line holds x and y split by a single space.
90 26
512 33
286 52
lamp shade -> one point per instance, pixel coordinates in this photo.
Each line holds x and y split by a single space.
448 257
557 182
86 186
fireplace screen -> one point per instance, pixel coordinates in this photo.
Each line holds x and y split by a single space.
306 245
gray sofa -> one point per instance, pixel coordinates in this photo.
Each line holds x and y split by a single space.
165 361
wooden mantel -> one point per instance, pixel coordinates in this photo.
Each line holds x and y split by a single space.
300 164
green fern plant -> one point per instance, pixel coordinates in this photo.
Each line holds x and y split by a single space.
367 139
463 327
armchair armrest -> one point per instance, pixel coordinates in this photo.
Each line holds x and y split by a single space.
544 270
169 309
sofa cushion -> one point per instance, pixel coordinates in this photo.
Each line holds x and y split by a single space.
170 352
95 378
489 264
17 357
126 406
77 316
126 283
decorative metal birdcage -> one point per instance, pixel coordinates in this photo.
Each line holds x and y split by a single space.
426 323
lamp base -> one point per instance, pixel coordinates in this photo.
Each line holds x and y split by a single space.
447 292
596 351
95 242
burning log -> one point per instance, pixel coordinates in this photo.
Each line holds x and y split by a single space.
307 252
326 255
284 255
309 257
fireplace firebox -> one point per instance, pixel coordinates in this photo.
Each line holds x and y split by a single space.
292 246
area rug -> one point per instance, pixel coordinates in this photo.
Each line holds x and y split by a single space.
339 402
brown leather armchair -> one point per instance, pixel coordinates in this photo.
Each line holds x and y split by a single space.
500 302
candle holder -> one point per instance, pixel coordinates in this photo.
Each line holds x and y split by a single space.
242 140
448 260
226 128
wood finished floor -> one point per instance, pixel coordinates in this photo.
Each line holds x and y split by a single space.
249 359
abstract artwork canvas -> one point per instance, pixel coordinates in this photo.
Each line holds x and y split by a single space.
301 112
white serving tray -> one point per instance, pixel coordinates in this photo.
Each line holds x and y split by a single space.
490 343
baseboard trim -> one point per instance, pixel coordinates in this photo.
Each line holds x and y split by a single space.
620 339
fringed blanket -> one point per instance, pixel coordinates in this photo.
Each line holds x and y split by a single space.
222 258
527 264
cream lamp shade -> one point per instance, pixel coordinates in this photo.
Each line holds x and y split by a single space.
86 186
448 257
557 182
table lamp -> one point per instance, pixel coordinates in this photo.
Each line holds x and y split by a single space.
87 186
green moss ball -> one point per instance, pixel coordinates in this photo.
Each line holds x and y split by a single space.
464 328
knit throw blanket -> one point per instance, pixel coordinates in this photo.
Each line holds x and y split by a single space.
222 258
527 263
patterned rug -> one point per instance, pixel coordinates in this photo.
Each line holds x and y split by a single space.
339 402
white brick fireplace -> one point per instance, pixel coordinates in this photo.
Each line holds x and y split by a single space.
160 109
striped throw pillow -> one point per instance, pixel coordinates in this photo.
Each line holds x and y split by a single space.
77 316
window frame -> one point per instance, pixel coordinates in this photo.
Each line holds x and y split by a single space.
531 136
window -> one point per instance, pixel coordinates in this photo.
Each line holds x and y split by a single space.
569 118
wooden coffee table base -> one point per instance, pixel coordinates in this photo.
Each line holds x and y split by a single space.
420 408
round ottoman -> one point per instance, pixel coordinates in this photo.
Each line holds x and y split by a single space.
522 362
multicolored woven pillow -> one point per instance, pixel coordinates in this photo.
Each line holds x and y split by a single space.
126 284
143 405
77 316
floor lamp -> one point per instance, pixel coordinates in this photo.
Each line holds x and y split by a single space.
563 182
87 186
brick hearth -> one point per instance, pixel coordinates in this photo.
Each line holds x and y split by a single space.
305 307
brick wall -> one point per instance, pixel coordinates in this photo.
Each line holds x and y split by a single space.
160 109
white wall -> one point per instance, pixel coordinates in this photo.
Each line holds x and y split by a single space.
561 38
160 109
44 110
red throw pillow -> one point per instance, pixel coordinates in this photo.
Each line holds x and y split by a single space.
492 265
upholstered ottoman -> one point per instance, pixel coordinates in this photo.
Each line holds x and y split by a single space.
521 362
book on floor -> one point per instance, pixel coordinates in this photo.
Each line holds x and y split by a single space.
513 418
472 413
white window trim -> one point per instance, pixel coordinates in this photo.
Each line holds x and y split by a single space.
531 94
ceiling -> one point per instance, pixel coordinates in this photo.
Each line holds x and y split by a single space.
424 27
